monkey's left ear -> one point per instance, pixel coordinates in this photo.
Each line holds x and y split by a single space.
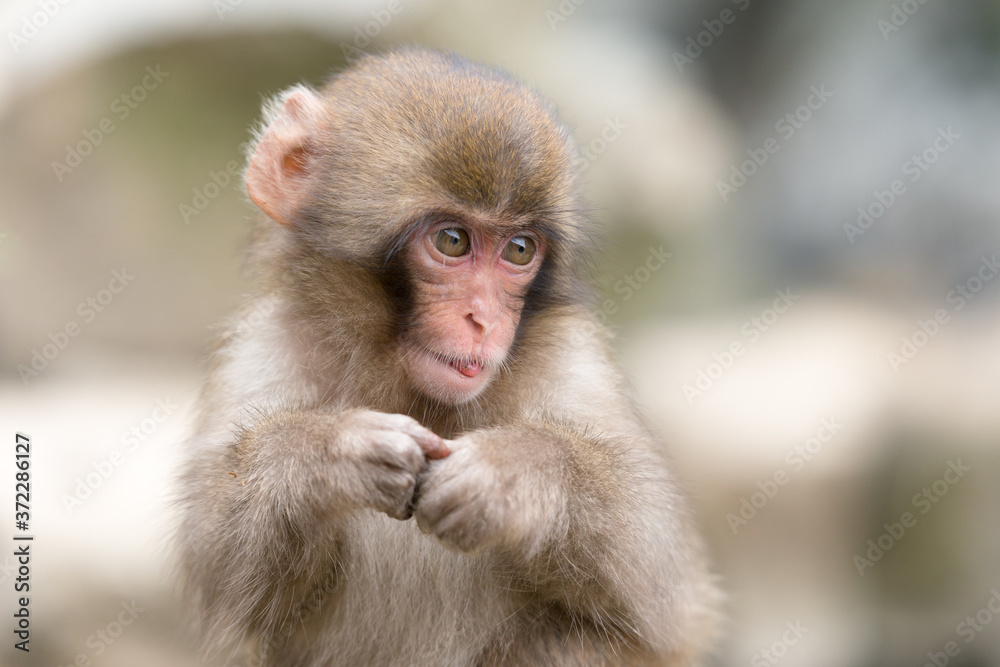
277 179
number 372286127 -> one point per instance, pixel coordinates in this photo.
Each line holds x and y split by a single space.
22 489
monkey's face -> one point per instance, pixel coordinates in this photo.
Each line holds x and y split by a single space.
469 283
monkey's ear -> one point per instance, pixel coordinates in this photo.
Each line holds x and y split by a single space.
277 179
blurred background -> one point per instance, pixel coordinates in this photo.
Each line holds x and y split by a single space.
820 348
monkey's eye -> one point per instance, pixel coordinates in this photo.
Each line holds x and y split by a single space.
452 242
519 250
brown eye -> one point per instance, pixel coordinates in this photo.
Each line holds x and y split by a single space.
519 250
452 242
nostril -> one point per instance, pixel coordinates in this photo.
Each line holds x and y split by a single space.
477 326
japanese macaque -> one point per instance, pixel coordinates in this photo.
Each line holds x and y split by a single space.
421 452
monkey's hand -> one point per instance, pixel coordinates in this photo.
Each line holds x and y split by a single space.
491 492
378 457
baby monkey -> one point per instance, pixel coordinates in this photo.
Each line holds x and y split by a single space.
425 454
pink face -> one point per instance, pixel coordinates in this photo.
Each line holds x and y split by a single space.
469 291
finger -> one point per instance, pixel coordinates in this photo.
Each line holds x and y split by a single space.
396 450
433 445
437 449
444 499
396 491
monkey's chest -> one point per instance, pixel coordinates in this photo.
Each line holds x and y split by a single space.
406 600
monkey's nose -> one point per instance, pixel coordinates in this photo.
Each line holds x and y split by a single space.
482 326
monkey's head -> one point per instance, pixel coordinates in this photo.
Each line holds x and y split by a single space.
451 183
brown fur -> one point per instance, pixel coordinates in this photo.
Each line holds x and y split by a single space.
556 533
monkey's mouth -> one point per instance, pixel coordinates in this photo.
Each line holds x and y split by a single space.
469 369
466 366
448 377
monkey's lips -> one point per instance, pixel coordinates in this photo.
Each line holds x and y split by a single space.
469 369
448 378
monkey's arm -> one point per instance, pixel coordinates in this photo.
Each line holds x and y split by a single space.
262 515
589 521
